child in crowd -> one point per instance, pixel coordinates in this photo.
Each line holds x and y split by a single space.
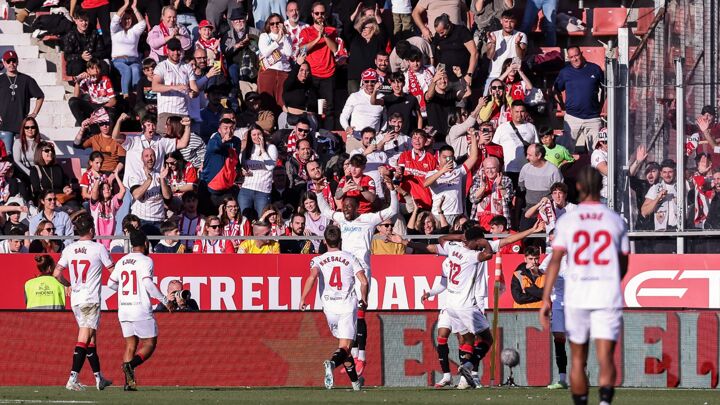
104 206
554 153
169 228
146 102
92 175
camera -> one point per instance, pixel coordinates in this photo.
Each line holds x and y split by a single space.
183 295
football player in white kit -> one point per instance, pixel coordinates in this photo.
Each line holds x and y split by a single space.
337 271
133 280
557 318
357 232
85 260
595 240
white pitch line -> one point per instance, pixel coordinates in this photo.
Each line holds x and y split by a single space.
40 401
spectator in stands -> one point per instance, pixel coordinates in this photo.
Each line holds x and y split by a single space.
707 128
299 245
713 216
398 58
183 177
168 32
190 222
414 164
399 102
92 91
127 26
418 78
258 161
169 228
248 115
505 43
299 96
383 245
364 45
281 190
17 93
286 139
212 228
11 246
318 181
208 42
582 82
458 135
13 210
240 46
222 157
315 222
382 67
146 100
447 183
359 112
487 14
92 175
149 191
204 109
177 128
24 151
497 105
103 142
47 229
48 203
423 222
554 153
432 9
442 101
320 43
357 185
174 82
536 178
394 138
550 209
129 224
517 84
260 228
514 137
296 165
293 25
491 193
216 8
104 206
661 200
98 14
372 147
232 221
275 56
528 281
549 29
49 176
486 146
82 44
641 186
453 46
599 160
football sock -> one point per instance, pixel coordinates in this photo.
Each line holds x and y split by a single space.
361 355
563 377
466 353
479 350
580 399
606 394
561 357
93 359
79 357
354 350
361 335
350 368
136 361
339 357
443 354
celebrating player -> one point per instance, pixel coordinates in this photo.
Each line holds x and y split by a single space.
557 319
337 271
85 260
357 231
596 243
135 274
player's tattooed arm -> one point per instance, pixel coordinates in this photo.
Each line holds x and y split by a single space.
538 227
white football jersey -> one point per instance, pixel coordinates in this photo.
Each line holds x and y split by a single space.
337 280
85 260
133 299
592 236
558 292
462 270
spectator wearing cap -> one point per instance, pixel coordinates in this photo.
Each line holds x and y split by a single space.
208 42
275 56
174 82
432 9
166 32
536 178
364 45
414 165
599 160
81 44
453 46
126 27
554 153
359 112
101 140
584 97
514 136
642 183
240 47
16 89
320 42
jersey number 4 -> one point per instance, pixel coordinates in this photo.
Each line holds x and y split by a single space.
80 269
126 276
335 279
601 240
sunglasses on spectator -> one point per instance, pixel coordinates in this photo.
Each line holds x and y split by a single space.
9 61
369 81
496 87
318 13
49 229
213 226
305 130
104 124
274 23
30 127
51 199
485 130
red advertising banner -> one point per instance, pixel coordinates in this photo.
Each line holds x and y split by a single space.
274 282
656 349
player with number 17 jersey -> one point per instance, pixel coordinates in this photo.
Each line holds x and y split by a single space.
85 260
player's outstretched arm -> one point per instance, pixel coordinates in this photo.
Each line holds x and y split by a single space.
155 292
538 227
550 277
309 283
58 274
325 209
453 237
362 278
392 210
416 247
435 290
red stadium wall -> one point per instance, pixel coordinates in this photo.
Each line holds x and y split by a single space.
274 282
657 349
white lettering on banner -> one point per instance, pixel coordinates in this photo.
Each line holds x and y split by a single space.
295 292
421 286
194 284
222 290
274 294
373 294
633 289
249 293
395 296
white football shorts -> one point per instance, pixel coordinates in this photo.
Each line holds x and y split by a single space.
467 320
444 320
87 315
342 325
581 324
557 319
145 329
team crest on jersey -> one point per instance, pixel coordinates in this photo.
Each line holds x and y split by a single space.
516 249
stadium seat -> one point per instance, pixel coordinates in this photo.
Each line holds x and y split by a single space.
644 18
594 54
578 13
606 21
71 166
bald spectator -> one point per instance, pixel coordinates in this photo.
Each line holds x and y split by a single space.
149 191
432 9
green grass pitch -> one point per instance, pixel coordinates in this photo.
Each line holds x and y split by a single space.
221 395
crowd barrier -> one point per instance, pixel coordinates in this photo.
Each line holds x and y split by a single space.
274 282
658 348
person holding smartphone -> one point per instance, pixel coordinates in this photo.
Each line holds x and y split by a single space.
276 52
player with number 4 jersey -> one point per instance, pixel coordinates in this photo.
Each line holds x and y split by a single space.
595 240
85 260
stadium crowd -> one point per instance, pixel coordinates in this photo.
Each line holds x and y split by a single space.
223 118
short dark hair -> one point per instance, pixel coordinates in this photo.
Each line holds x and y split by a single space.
414 55
395 115
84 224
189 195
149 62
532 250
667 163
137 238
332 236
168 226
518 103
297 145
446 148
443 19
382 52
368 130
81 14
303 120
128 220
226 121
499 220
474 233
358 160
508 14
559 186
397 76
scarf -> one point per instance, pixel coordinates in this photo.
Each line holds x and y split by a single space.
547 213
702 201
416 90
165 31
327 193
292 142
301 165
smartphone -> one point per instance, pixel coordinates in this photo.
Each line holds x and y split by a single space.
441 67
217 64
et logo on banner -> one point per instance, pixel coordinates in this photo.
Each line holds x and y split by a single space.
673 288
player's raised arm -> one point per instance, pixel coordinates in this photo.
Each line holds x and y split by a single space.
538 227
455 237
416 247
325 209
550 276
392 210
435 290
310 282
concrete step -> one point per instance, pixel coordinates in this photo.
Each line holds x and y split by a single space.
54 93
15 39
23 52
45 78
49 122
11 27
31 66
60 134
53 107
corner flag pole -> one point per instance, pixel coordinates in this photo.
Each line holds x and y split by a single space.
496 299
